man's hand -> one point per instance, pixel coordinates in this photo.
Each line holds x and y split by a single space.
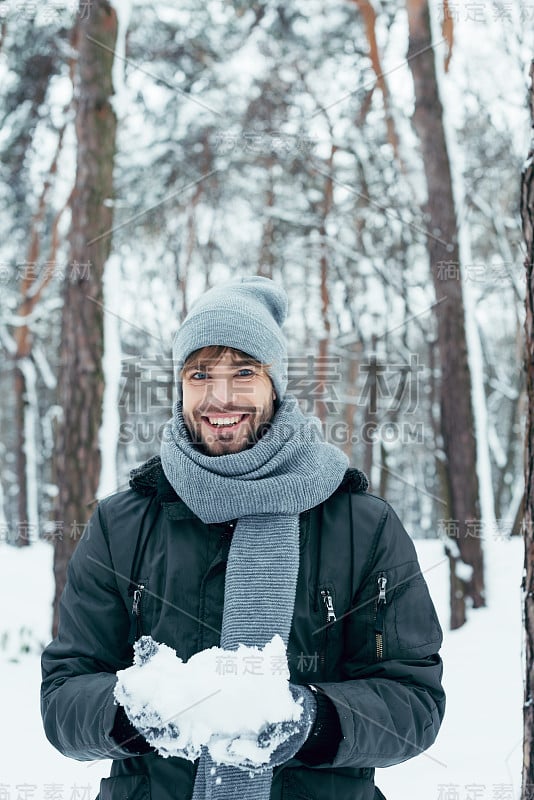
248 717
160 731
274 745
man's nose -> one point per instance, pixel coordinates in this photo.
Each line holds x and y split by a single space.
221 389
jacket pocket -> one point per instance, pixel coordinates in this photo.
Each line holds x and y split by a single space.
380 613
416 623
125 787
138 593
328 651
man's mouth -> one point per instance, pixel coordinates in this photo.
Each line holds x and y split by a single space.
219 421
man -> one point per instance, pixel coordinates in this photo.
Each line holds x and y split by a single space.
248 526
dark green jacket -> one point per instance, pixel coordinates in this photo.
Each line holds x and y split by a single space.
377 661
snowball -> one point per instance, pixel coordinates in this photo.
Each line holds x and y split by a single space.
219 698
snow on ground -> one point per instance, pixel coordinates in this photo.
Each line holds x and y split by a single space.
30 768
477 755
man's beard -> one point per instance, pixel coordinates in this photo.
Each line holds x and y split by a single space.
225 441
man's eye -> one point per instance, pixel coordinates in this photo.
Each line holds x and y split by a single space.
198 376
245 373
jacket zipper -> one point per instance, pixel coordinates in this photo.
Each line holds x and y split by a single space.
328 602
380 612
135 624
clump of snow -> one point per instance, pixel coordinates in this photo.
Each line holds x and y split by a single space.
225 700
464 571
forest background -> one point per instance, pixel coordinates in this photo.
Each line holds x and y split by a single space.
367 155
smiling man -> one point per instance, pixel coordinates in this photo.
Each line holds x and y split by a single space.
248 526
228 399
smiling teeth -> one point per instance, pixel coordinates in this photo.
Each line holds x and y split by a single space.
223 420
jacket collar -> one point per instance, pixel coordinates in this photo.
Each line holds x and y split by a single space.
149 480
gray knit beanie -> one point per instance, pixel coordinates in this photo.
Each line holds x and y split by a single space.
245 314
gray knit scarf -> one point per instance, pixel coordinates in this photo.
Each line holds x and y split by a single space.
289 470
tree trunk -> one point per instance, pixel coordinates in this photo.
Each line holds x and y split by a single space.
370 423
368 13
19 384
457 418
32 286
267 246
321 407
527 218
80 385
352 361
23 340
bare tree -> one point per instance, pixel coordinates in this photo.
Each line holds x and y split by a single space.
527 217
457 417
81 385
368 13
32 288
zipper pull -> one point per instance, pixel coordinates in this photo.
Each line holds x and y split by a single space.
381 603
382 582
134 625
379 618
329 604
137 599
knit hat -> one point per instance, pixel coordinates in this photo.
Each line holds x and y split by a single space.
245 314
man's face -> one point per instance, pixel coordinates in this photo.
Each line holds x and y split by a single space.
226 403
